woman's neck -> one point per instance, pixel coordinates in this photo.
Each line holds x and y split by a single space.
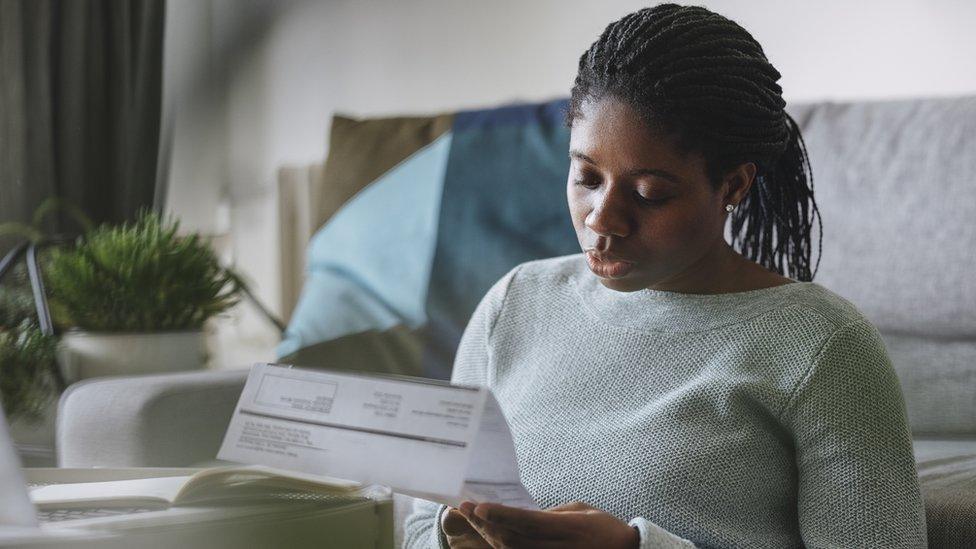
722 270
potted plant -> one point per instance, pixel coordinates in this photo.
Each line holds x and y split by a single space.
135 298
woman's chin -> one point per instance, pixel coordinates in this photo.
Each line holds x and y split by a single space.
625 284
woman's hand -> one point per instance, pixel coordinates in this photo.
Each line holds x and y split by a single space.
566 526
459 532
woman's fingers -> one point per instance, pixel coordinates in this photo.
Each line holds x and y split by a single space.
572 524
572 506
534 524
454 524
459 532
498 536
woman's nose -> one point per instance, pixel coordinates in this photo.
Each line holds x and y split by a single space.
609 216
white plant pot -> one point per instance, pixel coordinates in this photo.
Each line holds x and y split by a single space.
82 355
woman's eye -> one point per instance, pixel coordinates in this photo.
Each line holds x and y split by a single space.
652 201
589 184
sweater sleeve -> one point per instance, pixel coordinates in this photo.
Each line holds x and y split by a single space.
653 536
422 527
857 482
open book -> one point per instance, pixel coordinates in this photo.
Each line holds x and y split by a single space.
238 483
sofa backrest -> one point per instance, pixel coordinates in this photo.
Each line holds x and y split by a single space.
895 183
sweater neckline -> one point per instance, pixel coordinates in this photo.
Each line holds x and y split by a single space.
650 310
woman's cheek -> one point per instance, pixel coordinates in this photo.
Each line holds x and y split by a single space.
687 234
667 233
578 207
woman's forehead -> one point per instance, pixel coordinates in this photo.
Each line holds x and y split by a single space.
611 134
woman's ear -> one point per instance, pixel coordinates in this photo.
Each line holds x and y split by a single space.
736 183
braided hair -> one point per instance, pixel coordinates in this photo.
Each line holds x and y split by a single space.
704 82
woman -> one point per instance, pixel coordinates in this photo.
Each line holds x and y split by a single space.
664 389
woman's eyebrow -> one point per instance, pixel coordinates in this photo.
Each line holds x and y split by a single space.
633 173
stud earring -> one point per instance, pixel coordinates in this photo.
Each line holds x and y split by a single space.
729 207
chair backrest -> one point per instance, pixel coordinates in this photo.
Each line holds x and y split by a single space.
895 182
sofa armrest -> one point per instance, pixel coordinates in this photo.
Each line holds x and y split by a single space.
169 420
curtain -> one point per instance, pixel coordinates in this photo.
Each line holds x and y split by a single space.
80 107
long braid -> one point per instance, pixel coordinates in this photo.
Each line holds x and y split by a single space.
705 80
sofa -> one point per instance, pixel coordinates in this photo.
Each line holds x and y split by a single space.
895 182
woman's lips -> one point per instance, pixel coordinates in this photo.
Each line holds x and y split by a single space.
608 268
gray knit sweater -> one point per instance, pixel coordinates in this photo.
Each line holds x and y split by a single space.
765 418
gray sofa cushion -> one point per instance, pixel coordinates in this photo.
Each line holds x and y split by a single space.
896 185
938 379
